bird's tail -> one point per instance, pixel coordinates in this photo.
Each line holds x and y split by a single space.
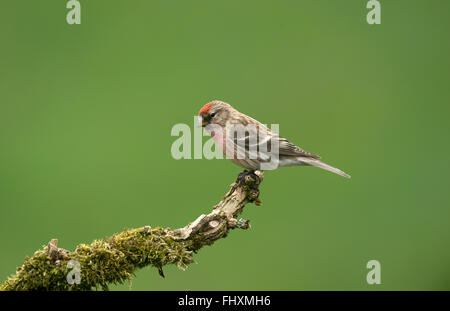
315 162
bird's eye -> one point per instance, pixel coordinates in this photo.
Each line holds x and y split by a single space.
212 115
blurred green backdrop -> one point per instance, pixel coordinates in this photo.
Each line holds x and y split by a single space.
86 112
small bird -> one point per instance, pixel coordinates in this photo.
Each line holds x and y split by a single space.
250 144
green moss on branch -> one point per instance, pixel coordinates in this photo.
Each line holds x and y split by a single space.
113 260
109 261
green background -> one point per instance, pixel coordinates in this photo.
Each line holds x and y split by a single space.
86 113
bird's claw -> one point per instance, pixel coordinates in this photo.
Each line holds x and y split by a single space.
246 177
250 181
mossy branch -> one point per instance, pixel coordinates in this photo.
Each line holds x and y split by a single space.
113 260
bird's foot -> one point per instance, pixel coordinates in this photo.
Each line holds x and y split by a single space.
248 177
250 180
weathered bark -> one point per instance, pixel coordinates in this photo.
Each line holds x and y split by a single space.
114 259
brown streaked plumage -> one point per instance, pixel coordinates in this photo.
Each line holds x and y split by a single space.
249 149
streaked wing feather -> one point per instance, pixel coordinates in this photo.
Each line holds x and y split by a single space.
265 134
288 148
251 141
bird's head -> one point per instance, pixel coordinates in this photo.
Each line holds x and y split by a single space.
215 112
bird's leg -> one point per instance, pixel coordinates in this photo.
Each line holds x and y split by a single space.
247 176
250 180
241 177
255 177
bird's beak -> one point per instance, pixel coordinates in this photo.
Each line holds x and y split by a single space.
201 122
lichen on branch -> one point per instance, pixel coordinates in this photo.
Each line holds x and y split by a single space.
114 260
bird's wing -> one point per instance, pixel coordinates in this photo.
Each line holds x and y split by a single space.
288 148
249 142
255 140
285 146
